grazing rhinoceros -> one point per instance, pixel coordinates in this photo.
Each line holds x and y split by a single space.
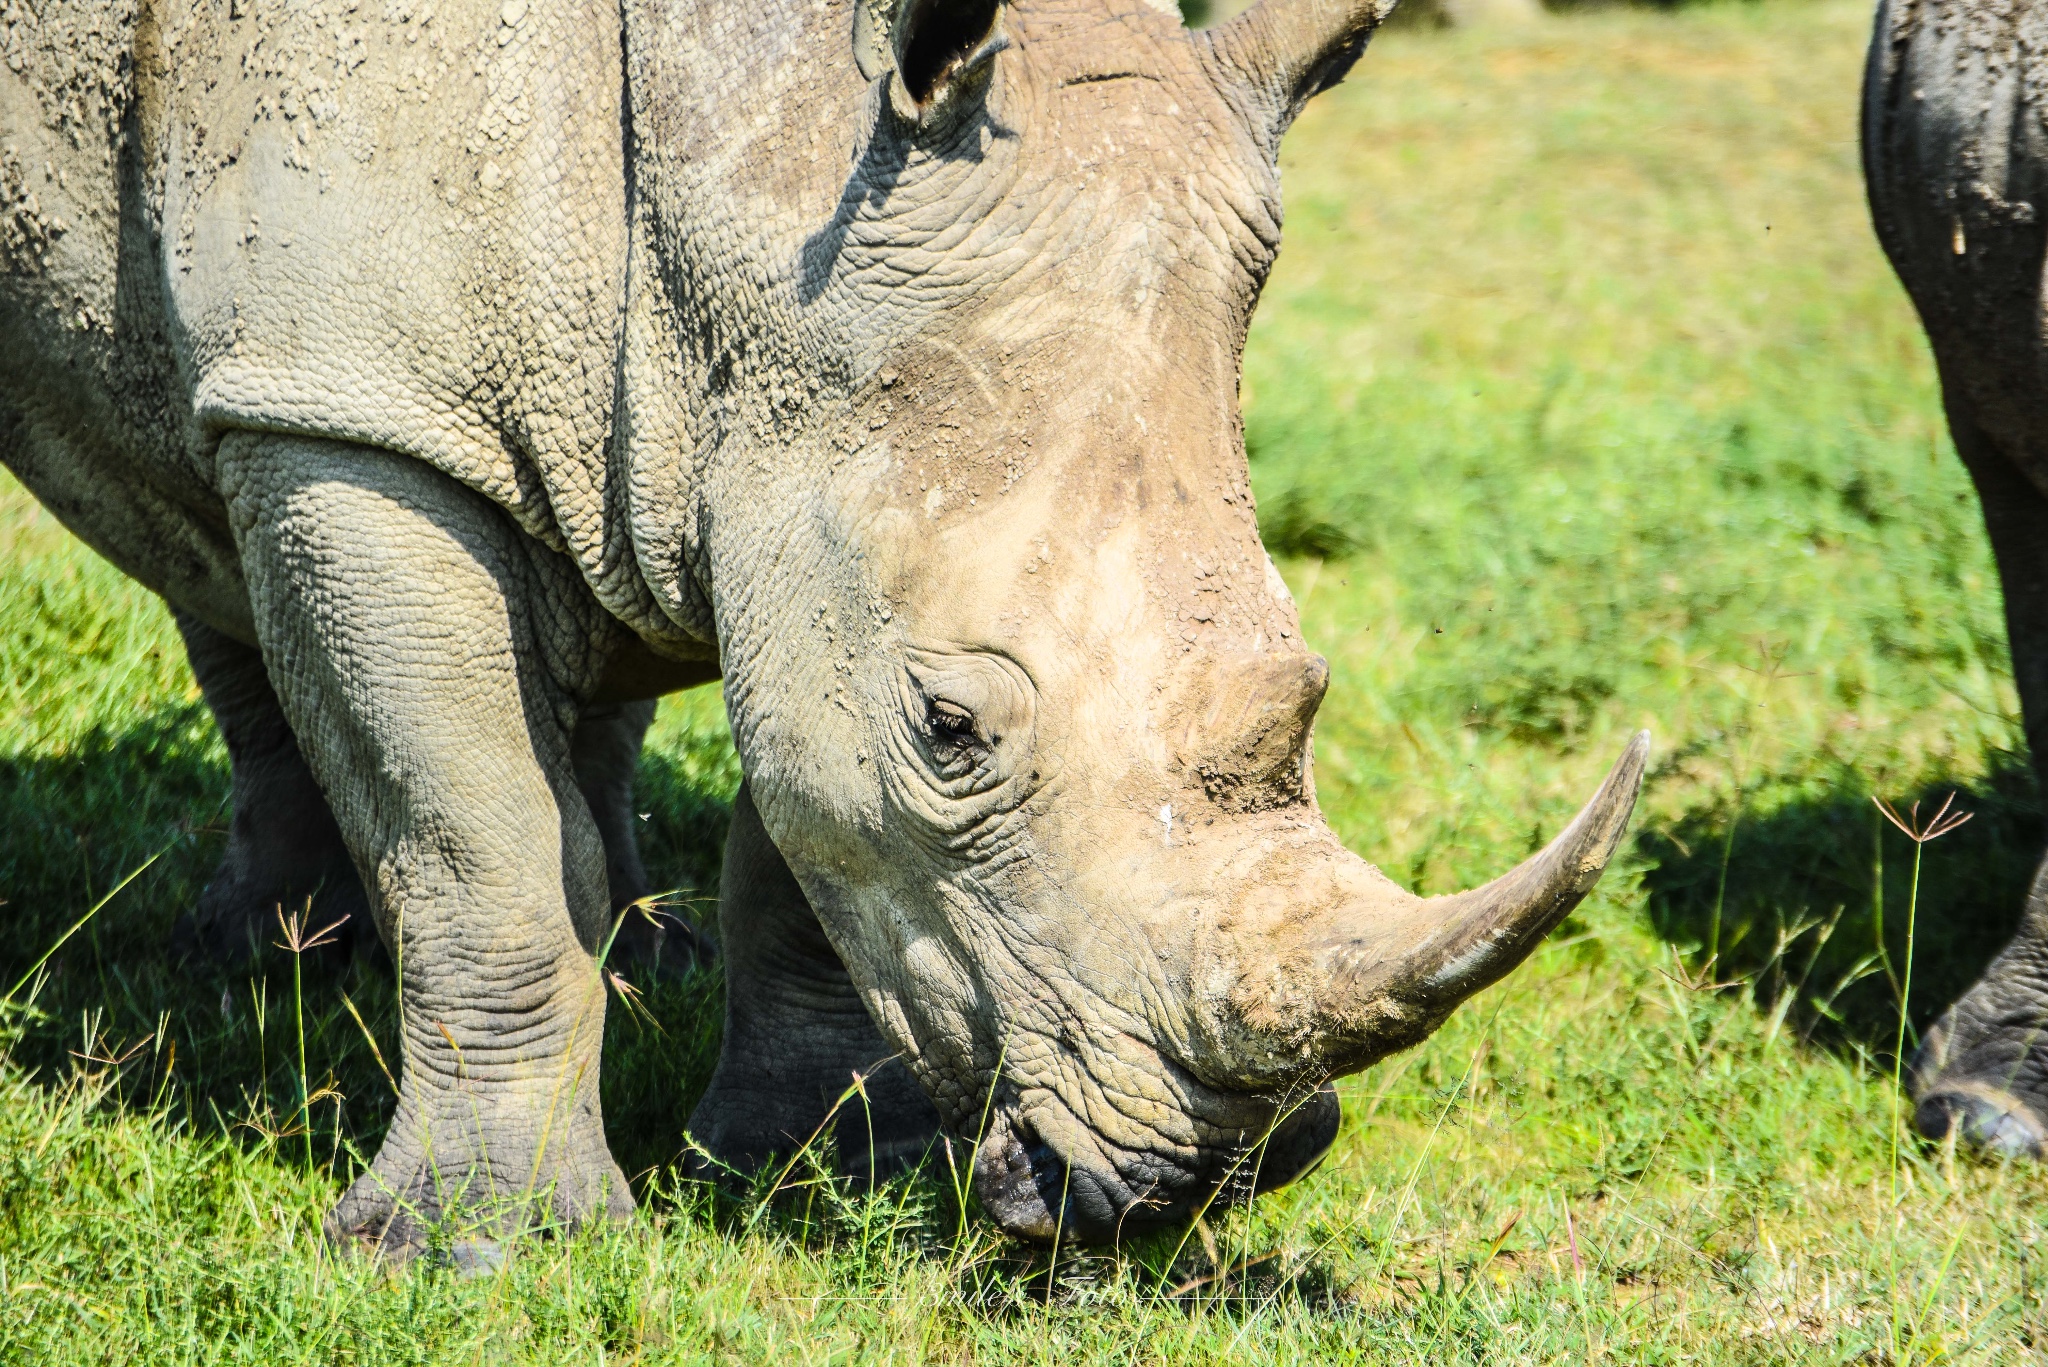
462 371
1955 150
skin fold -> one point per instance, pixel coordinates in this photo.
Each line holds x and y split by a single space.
467 376
1955 147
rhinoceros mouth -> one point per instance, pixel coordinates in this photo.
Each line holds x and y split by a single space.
1035 1191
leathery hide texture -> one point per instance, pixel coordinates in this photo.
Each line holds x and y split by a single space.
468 373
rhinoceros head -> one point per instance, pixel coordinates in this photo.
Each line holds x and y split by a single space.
1020 696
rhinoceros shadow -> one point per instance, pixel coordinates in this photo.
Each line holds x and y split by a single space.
1799 913
218 1047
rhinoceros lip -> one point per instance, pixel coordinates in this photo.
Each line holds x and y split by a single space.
1010 1182
1029 1188
1033 1192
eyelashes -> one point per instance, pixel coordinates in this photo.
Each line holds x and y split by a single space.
950 720
956 743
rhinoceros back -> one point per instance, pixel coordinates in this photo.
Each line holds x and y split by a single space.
402 224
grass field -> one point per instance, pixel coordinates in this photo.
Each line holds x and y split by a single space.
1582 400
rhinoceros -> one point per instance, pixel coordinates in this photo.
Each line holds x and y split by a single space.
466 374
1955 153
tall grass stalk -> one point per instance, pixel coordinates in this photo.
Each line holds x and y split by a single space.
305 1090
1721 884
1884 951
297 941
1905 1007
91 912
1938 825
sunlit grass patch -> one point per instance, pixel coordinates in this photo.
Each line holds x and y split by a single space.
1581 401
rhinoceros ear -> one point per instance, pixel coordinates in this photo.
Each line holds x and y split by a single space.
1284 52
926 46
873 53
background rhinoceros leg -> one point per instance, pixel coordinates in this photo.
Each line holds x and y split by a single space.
283 845
1984 1065
796 1031
400 622
605 752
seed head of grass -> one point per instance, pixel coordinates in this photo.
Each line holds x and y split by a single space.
1938 825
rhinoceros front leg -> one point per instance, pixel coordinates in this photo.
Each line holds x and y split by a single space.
1982 1071
403 626
283 844
796 1032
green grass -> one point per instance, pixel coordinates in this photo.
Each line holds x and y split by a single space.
1581 401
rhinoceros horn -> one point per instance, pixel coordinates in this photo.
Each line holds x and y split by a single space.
1353 967
1481 934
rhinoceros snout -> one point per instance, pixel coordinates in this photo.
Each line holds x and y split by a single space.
1029 1188
1300 1143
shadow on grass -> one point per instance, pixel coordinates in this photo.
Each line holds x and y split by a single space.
1795 876
219 1048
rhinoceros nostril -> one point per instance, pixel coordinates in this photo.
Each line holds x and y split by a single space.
1999 1126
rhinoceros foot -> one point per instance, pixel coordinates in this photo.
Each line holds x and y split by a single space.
1996 1124
1981 1073
487 1168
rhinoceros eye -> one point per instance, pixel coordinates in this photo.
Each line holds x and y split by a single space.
966 720
951 721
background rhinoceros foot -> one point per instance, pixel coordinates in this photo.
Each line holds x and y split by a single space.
651 940
1992 1122
655 943
1981 1072
884 1129
236 916
285 854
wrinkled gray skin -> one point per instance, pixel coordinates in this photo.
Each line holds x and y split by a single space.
480 367
1955 147
286 853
